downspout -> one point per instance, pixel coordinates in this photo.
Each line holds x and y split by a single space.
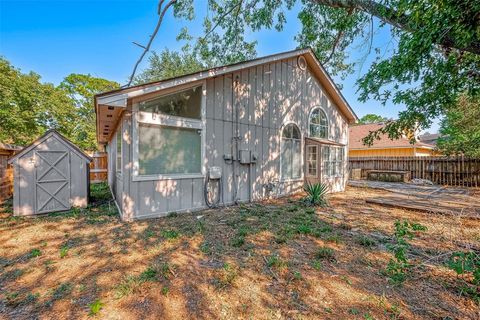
235 139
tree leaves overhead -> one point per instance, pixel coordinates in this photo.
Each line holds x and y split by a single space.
435 55
28 107
169 64
80 89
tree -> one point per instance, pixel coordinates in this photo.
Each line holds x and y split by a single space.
371 118
28 107
435 54
81 88
169 64
460 130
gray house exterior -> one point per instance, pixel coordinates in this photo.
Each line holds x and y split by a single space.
263 127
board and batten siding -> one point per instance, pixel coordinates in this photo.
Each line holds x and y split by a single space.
25 177
269 96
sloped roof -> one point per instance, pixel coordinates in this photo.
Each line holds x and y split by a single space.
357 133
45 136
112 101
6 146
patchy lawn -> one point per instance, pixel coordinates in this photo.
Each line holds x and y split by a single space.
264 261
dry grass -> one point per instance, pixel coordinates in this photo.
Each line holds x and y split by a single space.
277 260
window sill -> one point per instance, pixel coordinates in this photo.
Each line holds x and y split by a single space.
167 177
292 180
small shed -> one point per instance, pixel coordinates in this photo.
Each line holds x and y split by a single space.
51 174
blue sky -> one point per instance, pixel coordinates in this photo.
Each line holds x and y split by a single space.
56 38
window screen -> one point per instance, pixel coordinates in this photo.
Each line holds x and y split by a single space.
186 103
291 153
119 150
168 150
333 161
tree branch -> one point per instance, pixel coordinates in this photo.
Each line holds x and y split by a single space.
400 21
161 12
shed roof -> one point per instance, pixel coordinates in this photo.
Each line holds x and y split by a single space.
110 103
357 133
45 136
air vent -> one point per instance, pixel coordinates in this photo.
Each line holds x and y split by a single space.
302 63
110 108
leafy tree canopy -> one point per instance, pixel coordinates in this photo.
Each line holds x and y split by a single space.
371 118
169 64
460 130
435 55
80 89
28 107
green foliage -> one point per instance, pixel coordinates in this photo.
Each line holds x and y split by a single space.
95 307
371 118
460 129
325 253
427 54
399 266
28 107
81 88
35 253
316 194
64 251
62 291
170 234
169 64
467 263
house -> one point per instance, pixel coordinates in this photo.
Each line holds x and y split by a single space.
385 147
230 134
429 138
51 174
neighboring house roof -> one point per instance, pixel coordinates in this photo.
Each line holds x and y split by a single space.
429 138
357 133
45 136
114 100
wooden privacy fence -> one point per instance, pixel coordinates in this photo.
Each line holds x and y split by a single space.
98 167
6 177
454 171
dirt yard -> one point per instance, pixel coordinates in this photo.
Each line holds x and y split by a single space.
278 260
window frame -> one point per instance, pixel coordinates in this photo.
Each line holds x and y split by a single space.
158 119
320 125
301 177
118 155
334 166
308 160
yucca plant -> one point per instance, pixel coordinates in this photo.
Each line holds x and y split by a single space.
316 194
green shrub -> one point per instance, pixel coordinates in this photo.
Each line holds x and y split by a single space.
316 194
95 307
325 253
35 253
467 263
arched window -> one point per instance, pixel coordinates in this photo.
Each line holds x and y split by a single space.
318 124
291 165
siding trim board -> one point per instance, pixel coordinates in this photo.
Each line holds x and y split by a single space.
265 97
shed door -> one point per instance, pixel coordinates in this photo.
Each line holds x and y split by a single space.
52 181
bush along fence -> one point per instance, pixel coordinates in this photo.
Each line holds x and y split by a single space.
453 171
98 167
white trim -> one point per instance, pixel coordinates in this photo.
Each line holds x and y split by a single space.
174 121
328 123
301 153
316 160
119 130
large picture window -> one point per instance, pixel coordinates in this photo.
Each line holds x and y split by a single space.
291 164
333 161
318 124
168 150
169 133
